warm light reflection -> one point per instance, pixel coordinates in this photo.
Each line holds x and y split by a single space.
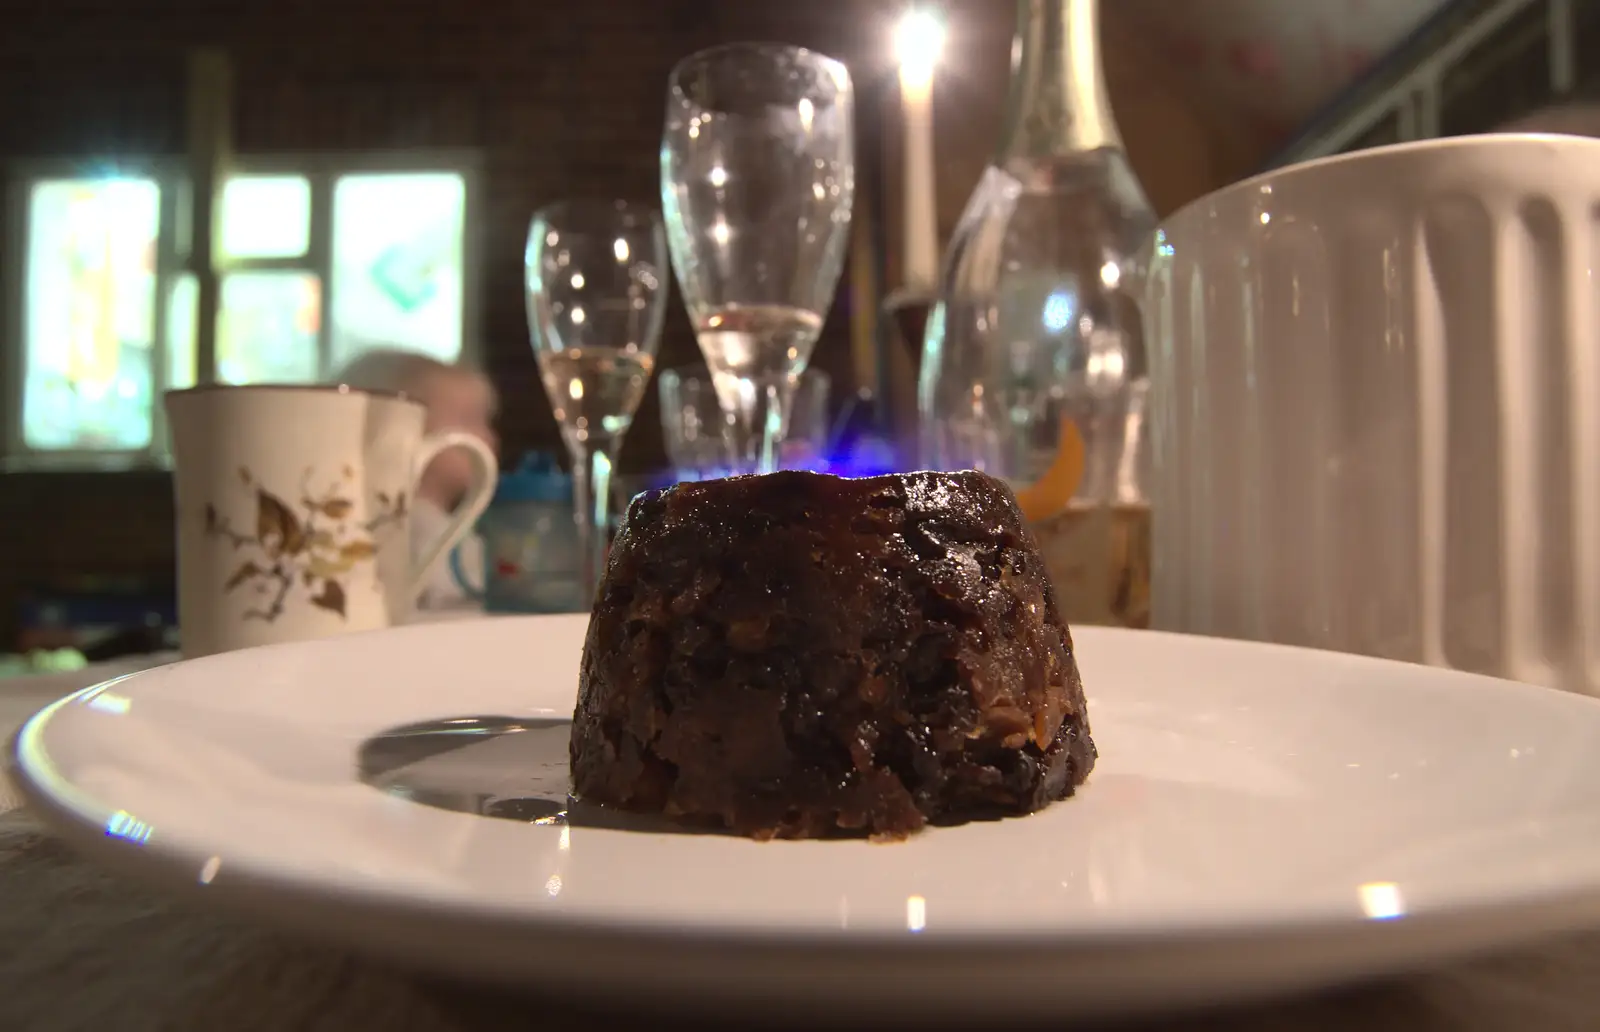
1381 901
916 913
210 869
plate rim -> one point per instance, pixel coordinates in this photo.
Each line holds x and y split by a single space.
874 974
1284 953
70 812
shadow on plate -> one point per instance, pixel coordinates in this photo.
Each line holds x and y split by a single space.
508 768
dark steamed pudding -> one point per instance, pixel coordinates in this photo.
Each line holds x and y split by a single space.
798 655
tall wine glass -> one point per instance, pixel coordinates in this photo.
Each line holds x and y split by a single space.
596 275
757 179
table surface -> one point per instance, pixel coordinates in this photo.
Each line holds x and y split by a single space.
83 949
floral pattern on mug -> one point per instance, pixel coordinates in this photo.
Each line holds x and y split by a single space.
312 546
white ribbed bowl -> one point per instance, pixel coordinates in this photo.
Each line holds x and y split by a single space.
1376 408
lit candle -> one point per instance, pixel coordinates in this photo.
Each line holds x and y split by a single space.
920 39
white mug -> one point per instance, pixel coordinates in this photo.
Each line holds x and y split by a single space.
1375 408
293 511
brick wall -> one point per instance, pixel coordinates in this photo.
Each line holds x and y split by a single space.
560 97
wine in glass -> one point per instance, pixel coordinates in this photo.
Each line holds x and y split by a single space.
757 180
596 281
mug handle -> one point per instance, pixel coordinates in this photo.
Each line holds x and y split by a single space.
487 470
472 591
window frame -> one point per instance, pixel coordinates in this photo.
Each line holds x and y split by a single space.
173 259
22 176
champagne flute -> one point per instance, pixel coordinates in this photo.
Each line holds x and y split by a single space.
596 281
757 180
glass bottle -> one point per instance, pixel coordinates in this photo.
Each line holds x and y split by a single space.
1033 365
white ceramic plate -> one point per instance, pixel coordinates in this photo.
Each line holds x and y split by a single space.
1261 819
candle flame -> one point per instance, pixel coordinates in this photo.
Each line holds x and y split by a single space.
919 39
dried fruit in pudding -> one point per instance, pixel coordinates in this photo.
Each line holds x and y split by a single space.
801 655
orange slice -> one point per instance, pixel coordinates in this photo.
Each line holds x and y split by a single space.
1050 493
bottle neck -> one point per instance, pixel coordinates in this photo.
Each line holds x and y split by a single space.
1058 105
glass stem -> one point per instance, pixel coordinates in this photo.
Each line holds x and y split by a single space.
770 420
591 510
